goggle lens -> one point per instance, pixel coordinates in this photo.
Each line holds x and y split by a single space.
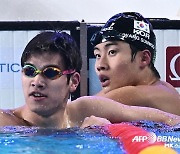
29 71
52 72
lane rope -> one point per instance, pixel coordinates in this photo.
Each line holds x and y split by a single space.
136 140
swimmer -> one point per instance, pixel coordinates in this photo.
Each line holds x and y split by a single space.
51 63
125 51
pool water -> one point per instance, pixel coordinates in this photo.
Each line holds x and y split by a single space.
95 140
34 140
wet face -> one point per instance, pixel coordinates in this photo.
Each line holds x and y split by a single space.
114 66
42 95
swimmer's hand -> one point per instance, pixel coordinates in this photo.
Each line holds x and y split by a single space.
93 120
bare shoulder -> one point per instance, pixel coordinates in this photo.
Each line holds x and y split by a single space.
165 86
160 92
159 87
7 117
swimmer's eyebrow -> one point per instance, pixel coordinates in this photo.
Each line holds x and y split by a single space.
107 44
96 48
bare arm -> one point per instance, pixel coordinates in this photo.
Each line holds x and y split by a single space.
156 96
116 112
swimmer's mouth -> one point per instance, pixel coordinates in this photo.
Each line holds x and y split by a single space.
37 94
104 81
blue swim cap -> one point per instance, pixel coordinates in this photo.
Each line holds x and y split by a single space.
130 27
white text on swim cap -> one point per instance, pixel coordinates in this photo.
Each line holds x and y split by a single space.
141 33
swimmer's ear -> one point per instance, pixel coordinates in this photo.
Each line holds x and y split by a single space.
74 81
145 58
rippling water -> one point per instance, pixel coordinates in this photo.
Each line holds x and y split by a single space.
31 140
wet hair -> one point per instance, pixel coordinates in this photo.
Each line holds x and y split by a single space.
53 42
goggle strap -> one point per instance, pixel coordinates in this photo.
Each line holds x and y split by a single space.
68 71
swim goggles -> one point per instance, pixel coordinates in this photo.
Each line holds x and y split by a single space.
49 72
